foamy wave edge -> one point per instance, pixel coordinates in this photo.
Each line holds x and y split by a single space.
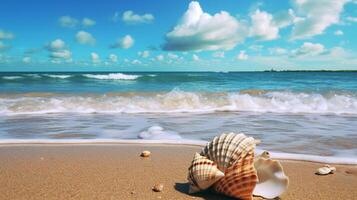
112 76
275 155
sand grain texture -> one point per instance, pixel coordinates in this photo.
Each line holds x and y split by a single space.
118 172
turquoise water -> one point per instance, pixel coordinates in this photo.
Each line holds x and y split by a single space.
320 82
299 113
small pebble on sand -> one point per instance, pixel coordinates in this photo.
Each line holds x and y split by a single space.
158 187
145 154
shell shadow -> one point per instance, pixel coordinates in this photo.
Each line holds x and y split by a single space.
208 194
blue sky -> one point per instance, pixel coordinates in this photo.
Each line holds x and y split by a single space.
210 35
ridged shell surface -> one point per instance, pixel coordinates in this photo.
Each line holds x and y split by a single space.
234 155
202 173
226 149
240 178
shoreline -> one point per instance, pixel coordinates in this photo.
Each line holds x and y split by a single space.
116 171
185 143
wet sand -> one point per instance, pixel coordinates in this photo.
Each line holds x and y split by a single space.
116 171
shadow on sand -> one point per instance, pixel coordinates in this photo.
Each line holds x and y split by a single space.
208 195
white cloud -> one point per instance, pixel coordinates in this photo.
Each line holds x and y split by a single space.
5 35
136 62
160 57
263 26
198 30
173 56
218 54
285 18
338 32
71 22
255 47
56 45
144 54
68 21
113 58
58 51
61 54
317 16
94 58
195 57
124 43
242 56
351 19
309 49
130 17
83 37
86 22
278 51
26 59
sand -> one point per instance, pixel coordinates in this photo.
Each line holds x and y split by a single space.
116 171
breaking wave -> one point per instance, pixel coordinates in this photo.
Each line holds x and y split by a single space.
112 76
179 101
58 76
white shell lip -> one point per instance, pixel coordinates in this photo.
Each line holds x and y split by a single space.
272 181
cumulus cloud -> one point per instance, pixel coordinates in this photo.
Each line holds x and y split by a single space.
56 45
218 54
113 58
83 37
198 30
124 43
62 54
317 16
195 57
71 22
160 57
94 58
144 54
86 22
5 35
130 17
68 21
136 62
338 32
263 26
26 59
58 51
173 56
309 49
242 56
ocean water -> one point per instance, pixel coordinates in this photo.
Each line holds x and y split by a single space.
304 115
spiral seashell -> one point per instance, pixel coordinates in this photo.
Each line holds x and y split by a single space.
234 155
202 174
240 179
272 179
227 148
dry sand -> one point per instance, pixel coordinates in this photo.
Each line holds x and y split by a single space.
117 171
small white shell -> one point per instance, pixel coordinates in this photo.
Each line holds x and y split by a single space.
324 171
272 181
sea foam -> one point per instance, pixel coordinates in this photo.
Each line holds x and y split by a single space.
112 76
178 101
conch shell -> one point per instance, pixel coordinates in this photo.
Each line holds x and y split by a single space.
234 155
202 173
272 180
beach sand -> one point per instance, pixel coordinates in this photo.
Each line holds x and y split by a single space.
116 171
